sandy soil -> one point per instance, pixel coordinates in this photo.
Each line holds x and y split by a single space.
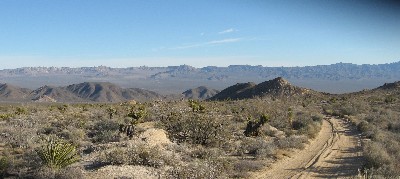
335 153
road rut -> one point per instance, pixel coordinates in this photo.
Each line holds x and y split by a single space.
335 153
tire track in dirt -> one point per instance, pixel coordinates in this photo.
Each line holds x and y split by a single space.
335 152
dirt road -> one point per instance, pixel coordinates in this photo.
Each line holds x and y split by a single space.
335 153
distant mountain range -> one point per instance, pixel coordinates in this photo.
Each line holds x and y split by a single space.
335 78
108 92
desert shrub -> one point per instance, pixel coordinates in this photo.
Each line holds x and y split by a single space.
390 99
65 173
104 131
368 130
317 118
197 170
138 114
57 154
6 116
311 130
259 147
196 129
292 142
201 152
62 108
376 155
70 173
196 106
45 172
307 125
20 111
347 109
243 166
138 154
394 127
4 164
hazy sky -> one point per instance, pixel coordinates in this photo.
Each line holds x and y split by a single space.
122 33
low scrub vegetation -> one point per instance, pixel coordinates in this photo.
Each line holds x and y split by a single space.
376 115
176 139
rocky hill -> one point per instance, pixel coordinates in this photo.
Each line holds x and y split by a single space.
395 86
12 93
108 92
201 93
58 94
275 87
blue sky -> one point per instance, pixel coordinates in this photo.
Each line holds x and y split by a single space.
123 33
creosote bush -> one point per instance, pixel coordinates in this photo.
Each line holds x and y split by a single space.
196 129
137 154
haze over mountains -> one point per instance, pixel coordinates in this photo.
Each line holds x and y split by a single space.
335 78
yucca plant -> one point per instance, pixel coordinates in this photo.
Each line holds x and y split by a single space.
57 154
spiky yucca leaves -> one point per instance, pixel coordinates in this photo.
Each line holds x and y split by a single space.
57 154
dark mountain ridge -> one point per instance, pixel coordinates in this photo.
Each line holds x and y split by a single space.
10 92
274 87
201 93
83 92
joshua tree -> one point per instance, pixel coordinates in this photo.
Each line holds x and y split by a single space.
253 127
111 111
196 106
